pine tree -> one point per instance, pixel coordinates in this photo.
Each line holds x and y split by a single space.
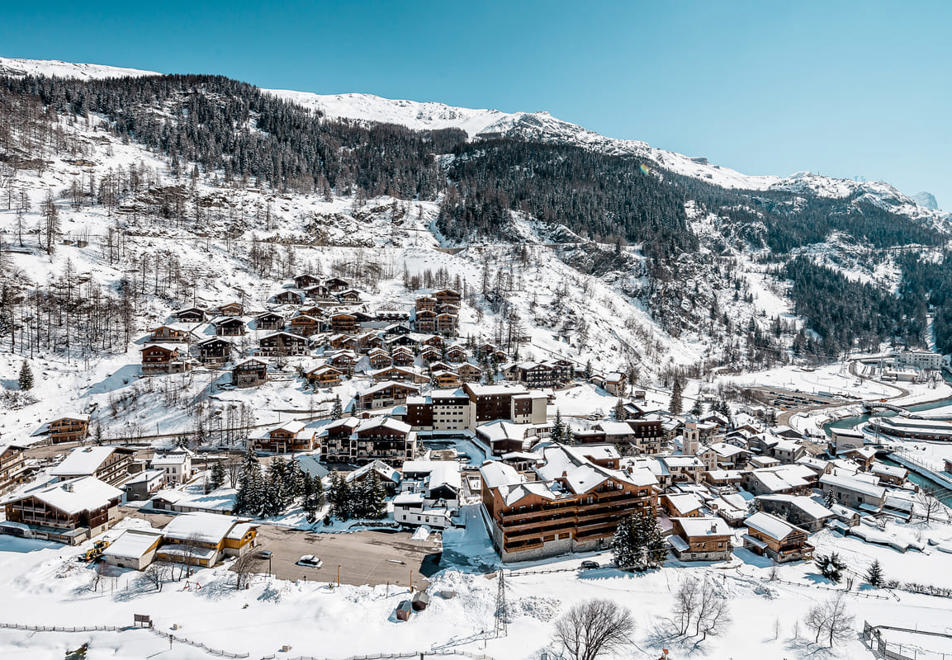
656 548
341 497
831 566
627 546
829 499
249 498
698 408
374 500
874 574
338 411
588 370
675 407
620 414
218 475
26 376
558 428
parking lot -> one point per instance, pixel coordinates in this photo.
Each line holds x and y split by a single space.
364 557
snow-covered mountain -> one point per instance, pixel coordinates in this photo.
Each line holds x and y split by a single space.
537 126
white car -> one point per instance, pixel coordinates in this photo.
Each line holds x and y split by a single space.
310 561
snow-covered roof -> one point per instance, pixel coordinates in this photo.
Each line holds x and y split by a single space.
202 527
496 474
75 495
378 466
704 526
83 461
439 473
806 504
853 484
684 502
770 525
169 459
383 422
132 544
889 470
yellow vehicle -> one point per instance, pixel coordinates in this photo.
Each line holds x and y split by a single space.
95 552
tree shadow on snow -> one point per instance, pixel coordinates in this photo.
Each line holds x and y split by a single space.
116 380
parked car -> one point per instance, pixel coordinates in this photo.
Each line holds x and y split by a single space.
310 561
588 563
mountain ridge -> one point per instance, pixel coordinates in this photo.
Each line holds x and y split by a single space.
539 126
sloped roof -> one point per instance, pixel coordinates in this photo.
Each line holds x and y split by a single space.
74 495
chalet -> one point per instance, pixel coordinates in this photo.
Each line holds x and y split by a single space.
290 437
287 297
469 373
852 491
172 333
445 379
229 326
369 341
175 465
700 539
13 469
505 402
190 315
67 512
71 428
775 538
788 451
343 342
382 438
446 324
412 509
782 479
107 464
282 344
682 505
398 374
324 376
403 357
343 361
410 341
569 504
424 321
344 324
336 285
889 474
231 309
318 292
426 303
385 395
215 351
616 383
798 510
306 326
163 359
335 440
315 310
379 359
350 296
436 481
456 353
722 456
448 297
430 354
397 329
269 321
249 373
306 281
202 539
649 433
433 340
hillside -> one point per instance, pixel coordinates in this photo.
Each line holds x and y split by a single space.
600 250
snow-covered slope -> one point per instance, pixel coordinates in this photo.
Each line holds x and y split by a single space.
10 66
538 126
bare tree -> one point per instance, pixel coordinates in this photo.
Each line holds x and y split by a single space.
593 628
929 505
685 606
713 612
830 620
156 574
244 568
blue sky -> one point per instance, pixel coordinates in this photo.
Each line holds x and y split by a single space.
842 88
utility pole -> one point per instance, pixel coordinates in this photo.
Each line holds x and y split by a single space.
502 625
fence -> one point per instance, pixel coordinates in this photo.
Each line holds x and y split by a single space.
873 637
73 629
403 654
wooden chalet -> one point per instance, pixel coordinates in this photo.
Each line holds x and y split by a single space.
282 344
336 285
171 333
305 325
445 379
379 359
344 324
350 296
425 321
403 357
446 324
163 359
774 537
469 373
13 468
249 373
448 297
69 512
215 351
324 376
426 303
398 374
287 297
229 326
385 395
290 437
306 281
344 361
269 321
231 309
190 315
72 428
701 539
456 353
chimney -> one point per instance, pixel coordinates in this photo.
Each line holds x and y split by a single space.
713 527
